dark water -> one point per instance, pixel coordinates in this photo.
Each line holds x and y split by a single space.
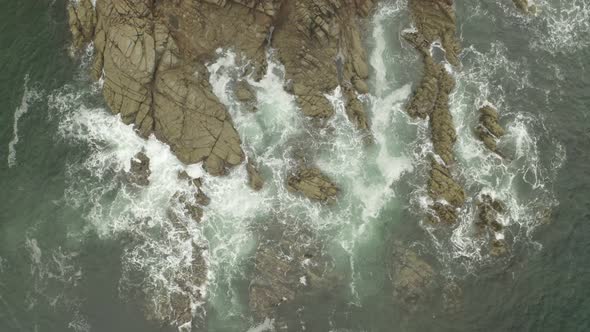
56 275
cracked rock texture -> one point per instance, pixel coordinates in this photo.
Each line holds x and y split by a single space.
434 21
490 210
152 57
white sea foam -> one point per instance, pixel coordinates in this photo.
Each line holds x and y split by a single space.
521 180
29 96
162 249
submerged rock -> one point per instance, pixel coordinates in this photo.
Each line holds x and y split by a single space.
290 264
525 6
139 172
313 184
489 129
412 277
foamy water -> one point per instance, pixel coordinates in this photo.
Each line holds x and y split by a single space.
162 253
29 96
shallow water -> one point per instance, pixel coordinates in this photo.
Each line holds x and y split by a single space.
74 255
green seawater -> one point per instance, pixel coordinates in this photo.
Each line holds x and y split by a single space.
61 269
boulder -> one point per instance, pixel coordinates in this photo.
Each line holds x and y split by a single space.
489 129
313 184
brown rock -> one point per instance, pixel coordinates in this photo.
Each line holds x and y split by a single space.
255 181
82 20
313 184
434 21
489 129
139 172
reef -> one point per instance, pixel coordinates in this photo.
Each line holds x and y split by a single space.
435 26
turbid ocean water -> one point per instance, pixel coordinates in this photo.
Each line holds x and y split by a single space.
80 251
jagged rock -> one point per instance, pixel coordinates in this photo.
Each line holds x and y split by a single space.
489 129
244 92
82 20
490 210
312 183
255 181
412 277
448 193
289 263
434 21
139 173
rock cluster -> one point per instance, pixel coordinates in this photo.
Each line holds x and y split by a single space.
313 184
434 21
489 211
193 206
151 55
139 172
489 129
295 266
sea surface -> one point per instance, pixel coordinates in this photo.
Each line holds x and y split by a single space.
80 251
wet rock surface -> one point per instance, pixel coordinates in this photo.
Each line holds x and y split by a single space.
489 129
139 172
151 55
313 184
525 6
435 25
490 211
255 180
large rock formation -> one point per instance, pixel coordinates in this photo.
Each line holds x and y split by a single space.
139 171
151 55
434 21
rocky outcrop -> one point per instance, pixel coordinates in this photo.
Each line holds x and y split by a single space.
434 21
151 55
289 269
313 184
489 129
490 210
193 206
82 19
319 43
255 180
139 172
